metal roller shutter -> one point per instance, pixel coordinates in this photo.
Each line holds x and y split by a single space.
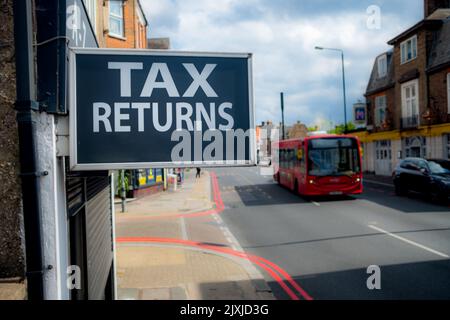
99 243
90 213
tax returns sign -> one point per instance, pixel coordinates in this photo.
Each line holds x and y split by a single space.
144 109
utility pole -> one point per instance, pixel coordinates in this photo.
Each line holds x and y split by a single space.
123 191
283 131
343 83
345 95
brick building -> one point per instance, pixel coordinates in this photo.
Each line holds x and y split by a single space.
408 95
121 24
118 23
297 131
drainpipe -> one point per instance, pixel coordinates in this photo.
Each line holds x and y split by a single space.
27 107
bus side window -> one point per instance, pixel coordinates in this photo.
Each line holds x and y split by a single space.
294 158
289 158
301 159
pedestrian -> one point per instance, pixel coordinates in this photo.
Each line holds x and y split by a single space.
198 175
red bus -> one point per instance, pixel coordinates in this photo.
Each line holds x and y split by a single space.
319 165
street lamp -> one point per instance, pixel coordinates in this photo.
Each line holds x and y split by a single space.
343 82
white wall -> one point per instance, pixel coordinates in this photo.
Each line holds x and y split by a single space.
435 147
369 157
53 214
396 146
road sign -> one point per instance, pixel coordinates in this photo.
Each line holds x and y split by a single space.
132 109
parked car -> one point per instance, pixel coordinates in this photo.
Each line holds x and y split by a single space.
430 177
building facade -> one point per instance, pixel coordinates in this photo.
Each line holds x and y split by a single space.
56 223
408 95
267 133
12 253
297 131
118 23
121 24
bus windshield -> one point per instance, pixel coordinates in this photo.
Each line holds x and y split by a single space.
333 157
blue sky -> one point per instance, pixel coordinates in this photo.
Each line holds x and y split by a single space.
282 35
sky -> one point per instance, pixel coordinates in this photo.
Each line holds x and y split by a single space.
282 35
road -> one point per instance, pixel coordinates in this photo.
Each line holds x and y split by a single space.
327 245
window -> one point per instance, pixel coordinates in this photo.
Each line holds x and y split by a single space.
380 110
408 50
448 93
415 147
448 146
116 18
410 99
91 11
382 66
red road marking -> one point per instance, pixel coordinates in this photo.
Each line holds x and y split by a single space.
272 269
218 203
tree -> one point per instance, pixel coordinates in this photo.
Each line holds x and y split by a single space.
340 129
313 129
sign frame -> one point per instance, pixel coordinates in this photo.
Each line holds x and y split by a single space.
72 85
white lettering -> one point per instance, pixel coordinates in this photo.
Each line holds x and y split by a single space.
184 117
226 116
141 107
125 75
119 117
200 80
203 114
102 117
167 82
156 122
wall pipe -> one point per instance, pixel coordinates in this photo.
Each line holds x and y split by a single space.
27 109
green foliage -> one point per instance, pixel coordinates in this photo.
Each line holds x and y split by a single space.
126 180
340 129
313 129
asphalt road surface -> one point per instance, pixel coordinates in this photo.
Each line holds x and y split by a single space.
326 245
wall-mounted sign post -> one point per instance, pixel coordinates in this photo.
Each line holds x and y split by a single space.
143 109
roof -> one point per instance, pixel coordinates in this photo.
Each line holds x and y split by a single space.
440 49
439 14
377 84
143 13
423 23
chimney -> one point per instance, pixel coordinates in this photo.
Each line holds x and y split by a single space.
430 6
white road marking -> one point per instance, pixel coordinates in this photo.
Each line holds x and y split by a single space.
379 183
418 245
315 203
184 233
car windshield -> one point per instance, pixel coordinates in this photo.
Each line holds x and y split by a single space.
333 157
439 167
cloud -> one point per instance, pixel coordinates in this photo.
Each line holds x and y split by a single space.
282 36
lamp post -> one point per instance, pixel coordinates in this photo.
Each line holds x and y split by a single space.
343 82
283 129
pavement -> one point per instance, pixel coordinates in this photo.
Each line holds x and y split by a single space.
326 245
175 245
12 289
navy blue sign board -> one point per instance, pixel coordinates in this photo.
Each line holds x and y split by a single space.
132 109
